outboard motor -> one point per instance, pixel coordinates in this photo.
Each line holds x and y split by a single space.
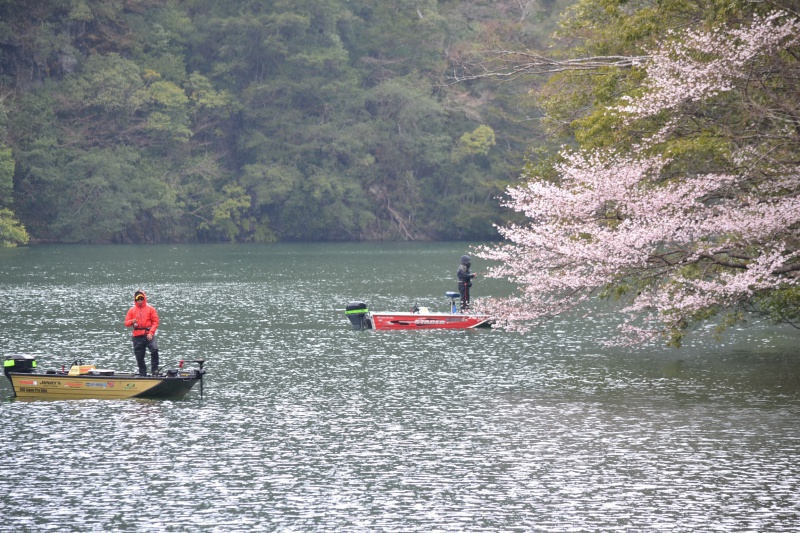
19 363
357 314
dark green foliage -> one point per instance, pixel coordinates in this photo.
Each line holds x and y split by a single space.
782 306
156 121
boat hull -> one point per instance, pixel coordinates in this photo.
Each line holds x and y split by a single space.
405 321
61 386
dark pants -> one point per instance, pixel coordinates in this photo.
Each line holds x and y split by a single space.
140 344
463 290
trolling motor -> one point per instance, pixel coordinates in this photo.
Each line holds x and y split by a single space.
358 314
200 371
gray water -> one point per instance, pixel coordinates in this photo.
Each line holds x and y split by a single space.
306 425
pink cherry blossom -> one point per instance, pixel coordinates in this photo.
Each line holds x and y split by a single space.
676 245
709 63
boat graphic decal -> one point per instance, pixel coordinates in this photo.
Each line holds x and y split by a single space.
35 390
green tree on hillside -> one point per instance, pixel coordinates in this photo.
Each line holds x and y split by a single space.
12 232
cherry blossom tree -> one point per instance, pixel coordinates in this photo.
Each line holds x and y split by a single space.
695 214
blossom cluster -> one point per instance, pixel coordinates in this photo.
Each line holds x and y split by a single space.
679 245
706 63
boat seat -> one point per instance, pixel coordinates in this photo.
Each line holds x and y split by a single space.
451 294
77 370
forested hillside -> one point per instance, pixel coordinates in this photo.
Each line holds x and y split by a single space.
137 121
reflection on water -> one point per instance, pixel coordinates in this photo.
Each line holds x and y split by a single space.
307 425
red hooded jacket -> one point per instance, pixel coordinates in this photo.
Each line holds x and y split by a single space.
145 316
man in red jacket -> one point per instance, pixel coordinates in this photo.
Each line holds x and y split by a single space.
143 318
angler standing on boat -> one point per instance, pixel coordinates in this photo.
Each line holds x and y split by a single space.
143 318
464 281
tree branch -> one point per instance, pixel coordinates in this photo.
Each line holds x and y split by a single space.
511 64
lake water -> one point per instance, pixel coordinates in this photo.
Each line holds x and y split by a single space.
307 425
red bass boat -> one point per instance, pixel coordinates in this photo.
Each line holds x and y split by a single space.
419 318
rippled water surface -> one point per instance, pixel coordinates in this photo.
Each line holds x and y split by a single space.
306 425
